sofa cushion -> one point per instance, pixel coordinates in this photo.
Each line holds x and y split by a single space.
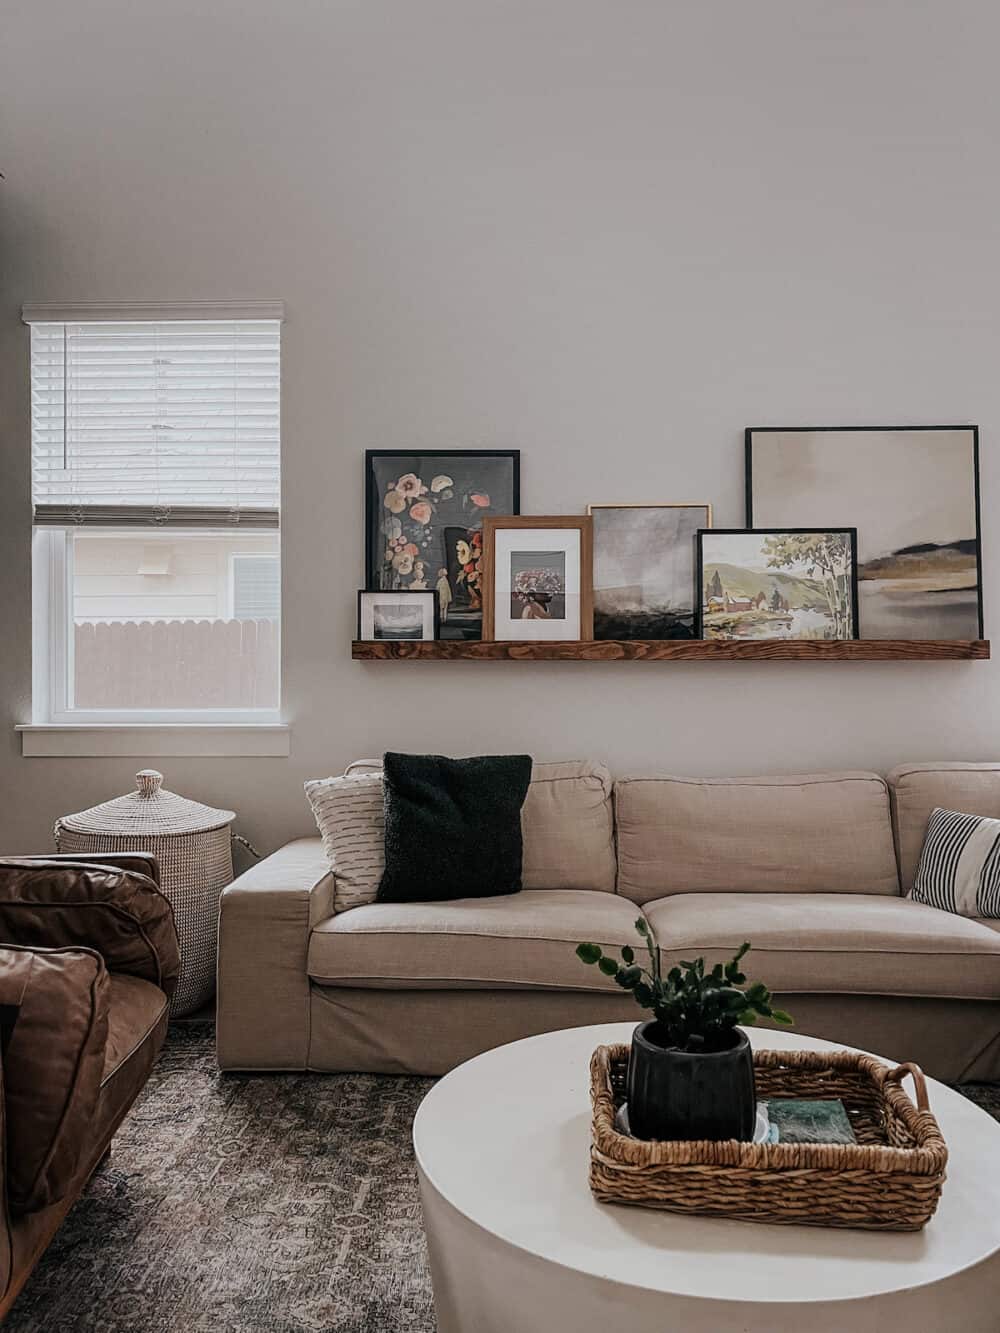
829 944
959 869
917 788
452 826
54 1004
568 827
821 833
350 815
527 940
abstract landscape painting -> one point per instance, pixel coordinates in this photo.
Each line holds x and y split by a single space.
913 495
778 584
644 559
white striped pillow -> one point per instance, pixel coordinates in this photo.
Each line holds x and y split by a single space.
959 868
350 816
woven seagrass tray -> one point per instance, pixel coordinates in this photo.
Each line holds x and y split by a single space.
890 1180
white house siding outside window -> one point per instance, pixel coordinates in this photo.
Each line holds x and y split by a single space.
156 492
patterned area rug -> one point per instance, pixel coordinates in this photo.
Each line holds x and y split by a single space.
285 1203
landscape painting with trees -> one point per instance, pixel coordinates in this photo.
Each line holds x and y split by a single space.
778 584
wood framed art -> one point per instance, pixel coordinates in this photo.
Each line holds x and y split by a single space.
913 494
423 524
401 613
537 578
644 569
778 583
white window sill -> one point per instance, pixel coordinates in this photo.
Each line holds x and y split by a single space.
154 739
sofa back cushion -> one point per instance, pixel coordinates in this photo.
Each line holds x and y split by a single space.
814 833
916 789
567 824
567 829
54 1021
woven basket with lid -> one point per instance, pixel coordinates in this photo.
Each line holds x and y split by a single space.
193 845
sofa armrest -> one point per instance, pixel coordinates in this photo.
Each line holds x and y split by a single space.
265 921
55 1004
51 902
140 863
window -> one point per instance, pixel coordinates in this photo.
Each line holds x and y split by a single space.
156 490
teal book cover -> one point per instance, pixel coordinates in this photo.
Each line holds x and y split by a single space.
799 1121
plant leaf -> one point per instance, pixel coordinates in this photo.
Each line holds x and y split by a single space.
780 1016
642 926
628 954
608 966
588 953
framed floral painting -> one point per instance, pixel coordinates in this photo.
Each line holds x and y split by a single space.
423 525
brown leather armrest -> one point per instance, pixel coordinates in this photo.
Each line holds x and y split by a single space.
49 902
141 863
56 1004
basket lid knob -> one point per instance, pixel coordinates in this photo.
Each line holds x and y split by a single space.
148 782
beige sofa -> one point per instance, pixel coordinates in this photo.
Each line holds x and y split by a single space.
811 869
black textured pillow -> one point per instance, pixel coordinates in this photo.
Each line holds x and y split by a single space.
452 826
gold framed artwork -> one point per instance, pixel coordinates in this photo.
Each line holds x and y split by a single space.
644 572
538 573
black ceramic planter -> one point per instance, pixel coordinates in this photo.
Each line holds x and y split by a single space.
676 1094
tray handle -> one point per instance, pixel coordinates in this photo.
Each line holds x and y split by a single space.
919 1082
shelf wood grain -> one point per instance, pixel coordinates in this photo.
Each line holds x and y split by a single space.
675 650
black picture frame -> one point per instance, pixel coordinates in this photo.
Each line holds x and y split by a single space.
751 431
463 622
773 532
400 592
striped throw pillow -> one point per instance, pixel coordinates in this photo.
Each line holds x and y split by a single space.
959 868
350 816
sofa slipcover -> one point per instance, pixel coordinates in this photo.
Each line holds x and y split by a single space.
810 943
522 940
814 833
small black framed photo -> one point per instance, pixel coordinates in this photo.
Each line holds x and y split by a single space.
402 613
778 583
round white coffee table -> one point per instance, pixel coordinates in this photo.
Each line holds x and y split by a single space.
519 1245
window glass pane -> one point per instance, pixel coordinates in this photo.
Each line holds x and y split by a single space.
157 623
256 587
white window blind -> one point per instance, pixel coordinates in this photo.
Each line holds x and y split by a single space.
159 422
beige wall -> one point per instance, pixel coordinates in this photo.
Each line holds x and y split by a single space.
609 234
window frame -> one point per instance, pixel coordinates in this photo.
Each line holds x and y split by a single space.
52 636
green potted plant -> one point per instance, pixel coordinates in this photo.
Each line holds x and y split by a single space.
690 1069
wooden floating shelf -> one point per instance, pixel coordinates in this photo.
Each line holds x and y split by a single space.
674 650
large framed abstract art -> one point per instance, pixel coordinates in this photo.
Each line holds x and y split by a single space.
912 492
423 525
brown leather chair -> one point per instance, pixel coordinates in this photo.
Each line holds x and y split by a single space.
88 962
